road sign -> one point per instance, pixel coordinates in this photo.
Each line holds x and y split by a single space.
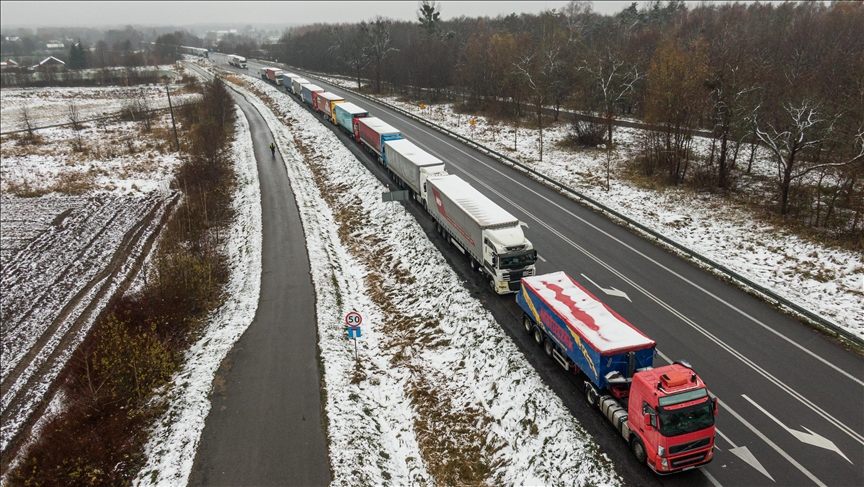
422 106
395 196
353 319
354 332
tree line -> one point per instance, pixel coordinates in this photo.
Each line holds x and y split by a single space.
787 77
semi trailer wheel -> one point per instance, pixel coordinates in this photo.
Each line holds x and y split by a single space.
526 322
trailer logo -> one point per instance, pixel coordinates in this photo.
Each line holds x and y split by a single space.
440 204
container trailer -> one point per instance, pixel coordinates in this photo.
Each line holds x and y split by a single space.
347 116
308 92
297 85
665 414
326 102
237 61
491 237
373 133
274 76
412 166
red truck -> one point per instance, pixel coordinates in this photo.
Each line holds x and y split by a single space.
665 414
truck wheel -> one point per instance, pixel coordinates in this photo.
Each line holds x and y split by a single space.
639 450
527 323
538 335
548 347
590 394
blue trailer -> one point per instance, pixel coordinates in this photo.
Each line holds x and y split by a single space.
307 92
346 115
577 329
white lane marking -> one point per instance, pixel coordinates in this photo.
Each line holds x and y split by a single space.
772 445
741 452
780 384
711 478
810 437
541 257
611 291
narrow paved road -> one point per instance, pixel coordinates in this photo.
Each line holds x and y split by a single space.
266 425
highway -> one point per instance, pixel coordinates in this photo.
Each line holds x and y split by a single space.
792 401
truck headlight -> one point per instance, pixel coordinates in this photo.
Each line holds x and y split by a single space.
661 452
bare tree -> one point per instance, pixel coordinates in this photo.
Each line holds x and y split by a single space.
347 44
796 142
26 117
379 44
541 67
75 119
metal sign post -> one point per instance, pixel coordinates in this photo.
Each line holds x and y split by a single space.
353 319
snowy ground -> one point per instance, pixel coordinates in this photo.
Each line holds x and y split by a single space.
50 106
66 253
438 384
827 281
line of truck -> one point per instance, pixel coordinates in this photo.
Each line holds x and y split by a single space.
665 414
490 237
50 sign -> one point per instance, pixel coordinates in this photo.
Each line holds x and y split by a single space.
353 319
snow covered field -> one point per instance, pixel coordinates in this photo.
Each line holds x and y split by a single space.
50 106
65 253
439 387
827 281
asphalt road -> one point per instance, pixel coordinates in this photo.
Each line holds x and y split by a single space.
265 425
792 401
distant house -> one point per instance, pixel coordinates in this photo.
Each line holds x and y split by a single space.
55 45
50 61
8 64
12 39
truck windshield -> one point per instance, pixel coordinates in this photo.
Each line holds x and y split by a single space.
516 260
688 419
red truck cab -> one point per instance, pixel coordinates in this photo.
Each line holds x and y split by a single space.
671 418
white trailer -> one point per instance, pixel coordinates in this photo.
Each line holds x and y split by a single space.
412 166
297 85
237 61
491 237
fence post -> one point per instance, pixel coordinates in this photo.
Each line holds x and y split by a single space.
171 108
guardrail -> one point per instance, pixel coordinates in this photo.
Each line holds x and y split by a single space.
830 328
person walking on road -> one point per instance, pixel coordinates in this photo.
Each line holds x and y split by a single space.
273 149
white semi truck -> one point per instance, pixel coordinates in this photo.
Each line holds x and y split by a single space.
412 166
491 237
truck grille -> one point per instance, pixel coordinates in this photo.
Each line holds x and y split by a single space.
692 445
515 285
688 460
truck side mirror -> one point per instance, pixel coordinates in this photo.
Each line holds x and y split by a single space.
716 406
646 420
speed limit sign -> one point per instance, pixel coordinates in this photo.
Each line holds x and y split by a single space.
353 318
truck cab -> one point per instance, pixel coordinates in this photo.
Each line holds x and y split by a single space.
671 418
509 256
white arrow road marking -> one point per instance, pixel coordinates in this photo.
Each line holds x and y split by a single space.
744 453
810 437
611 291
523 224
541 257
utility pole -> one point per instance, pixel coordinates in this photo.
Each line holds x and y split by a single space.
171 108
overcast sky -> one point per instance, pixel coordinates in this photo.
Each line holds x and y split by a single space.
239 14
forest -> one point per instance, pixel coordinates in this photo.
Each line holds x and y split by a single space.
786 77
